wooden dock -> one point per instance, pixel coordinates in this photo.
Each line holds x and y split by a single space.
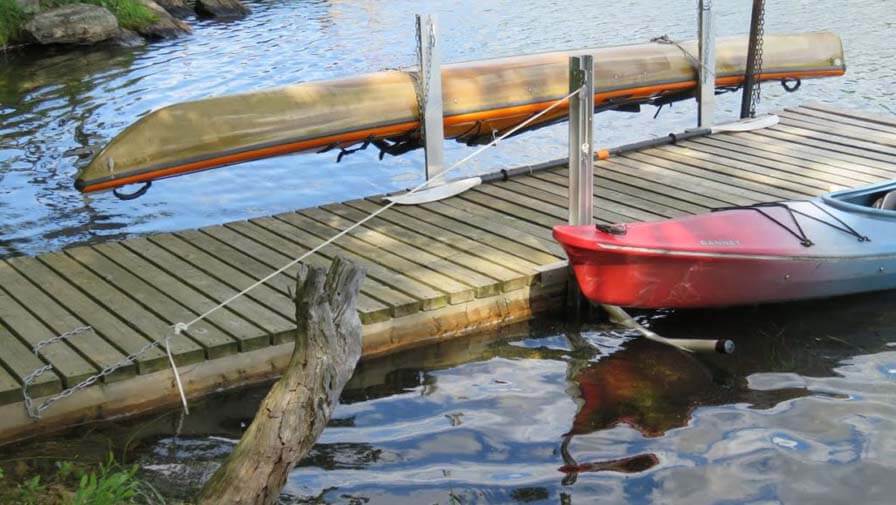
435 271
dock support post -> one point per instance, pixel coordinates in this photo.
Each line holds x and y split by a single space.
581 140
706 95
429 94
581 158
754 64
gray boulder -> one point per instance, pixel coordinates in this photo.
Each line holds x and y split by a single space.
177 8
227 9
72 24
28 6
128 38
166 27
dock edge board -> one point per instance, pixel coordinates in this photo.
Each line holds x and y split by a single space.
155 391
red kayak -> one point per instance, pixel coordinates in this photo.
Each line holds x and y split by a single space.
833 245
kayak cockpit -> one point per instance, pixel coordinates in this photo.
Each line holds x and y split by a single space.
879 199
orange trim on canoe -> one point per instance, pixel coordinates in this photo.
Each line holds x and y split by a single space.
396 129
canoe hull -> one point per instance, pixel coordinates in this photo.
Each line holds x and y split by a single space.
480 98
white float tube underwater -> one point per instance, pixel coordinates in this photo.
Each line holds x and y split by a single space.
622 318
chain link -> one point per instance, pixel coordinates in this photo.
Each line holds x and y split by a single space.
422 81
756 92
36 412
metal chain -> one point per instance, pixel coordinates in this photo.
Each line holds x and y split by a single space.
756 92
35 412
422 82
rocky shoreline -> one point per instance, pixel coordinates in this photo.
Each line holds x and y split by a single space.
123 22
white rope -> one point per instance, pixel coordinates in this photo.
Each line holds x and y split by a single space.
180 387
181 327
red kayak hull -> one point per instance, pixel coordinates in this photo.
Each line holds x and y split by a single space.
684 281
735 257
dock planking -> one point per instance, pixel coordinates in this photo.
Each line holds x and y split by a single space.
486 245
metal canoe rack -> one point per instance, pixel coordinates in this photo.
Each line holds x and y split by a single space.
581 169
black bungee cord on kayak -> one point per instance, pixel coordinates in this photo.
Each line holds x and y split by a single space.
797 230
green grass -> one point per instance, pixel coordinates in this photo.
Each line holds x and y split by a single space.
69 483
112 484
11 19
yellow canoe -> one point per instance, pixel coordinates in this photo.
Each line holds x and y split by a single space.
480 98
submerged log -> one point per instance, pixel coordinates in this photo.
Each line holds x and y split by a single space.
299 405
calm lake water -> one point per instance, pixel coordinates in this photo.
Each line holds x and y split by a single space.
54 106
804 412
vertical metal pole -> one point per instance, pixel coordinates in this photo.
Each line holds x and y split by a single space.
431 94
581 161
746 103
706 96
581 140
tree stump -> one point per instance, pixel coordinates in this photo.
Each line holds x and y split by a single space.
299 405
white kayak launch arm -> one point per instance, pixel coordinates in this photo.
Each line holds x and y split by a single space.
749 124
435 193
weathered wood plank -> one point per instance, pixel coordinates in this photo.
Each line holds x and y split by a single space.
456 248
836 118
546 203
524 237
295 244
232 255
779 166
70 365
427 297
428 283
264 295
810 155
797 139
844 130
99 353
484 243
660 204
716 184
265 319
20 362
732 172
183 303
864 116
610 203
523 212
632 208
105 323
260 259
159 293
254 269
659 180
107 294
835 137
10 388
458 278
